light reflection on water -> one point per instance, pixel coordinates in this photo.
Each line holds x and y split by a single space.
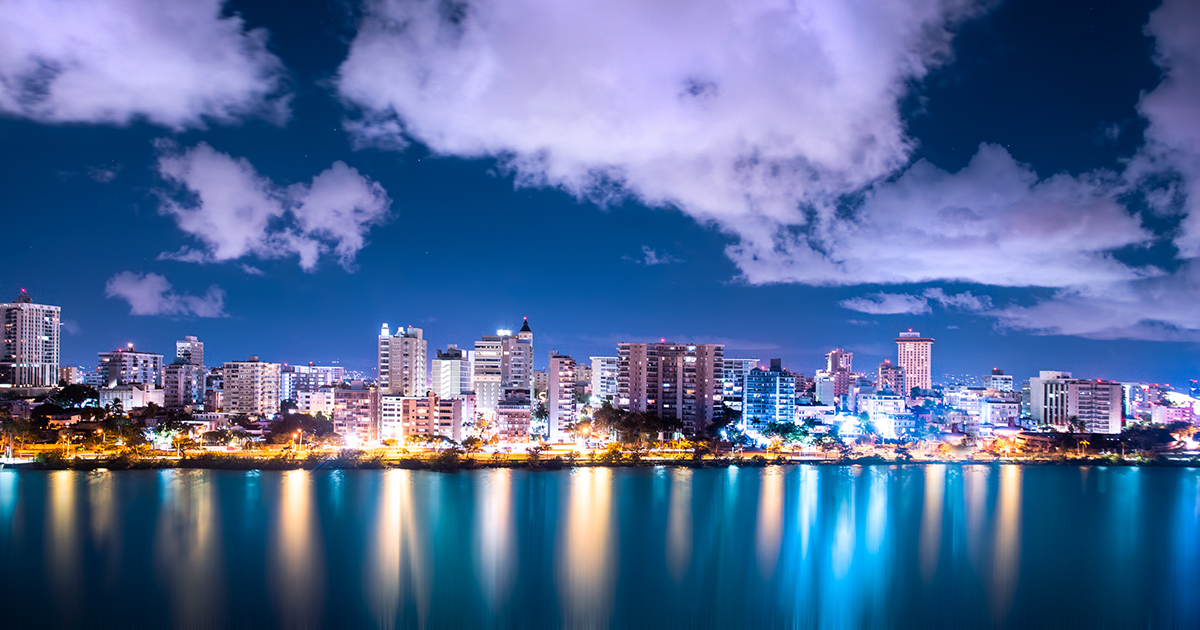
808 546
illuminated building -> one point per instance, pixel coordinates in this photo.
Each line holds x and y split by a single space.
183 384
733 381
127 365
604 378
998 381
31 334
403 366
671 380
452 372
915 356
1056 398
890 377
251 387
295 380
769 396
190 350
560 399
503 362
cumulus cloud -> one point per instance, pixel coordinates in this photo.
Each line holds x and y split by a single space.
235 212
888 304
728 110
779 124
171 62
152 294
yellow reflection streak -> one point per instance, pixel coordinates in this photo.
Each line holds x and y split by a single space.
495 535
587 547
769 528
808 507
187 549
102 506
931 519
679 524
62 543
296 568
1006 555
385 580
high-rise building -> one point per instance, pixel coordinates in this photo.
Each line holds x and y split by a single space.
915 356
671 380
191 350
604 378
251 387
126 365
890 378
183 384
839 372
30 356
1055 399
770 396
402 417
503 362
452 372
733 381
403 368
560 399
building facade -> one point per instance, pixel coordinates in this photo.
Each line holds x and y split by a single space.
1055 399
403 365
183 384
126 365
503 362
31 343
604 378
251 387
562 375
452 372
671 380
890 377
733 381
190 350
915 356
769 396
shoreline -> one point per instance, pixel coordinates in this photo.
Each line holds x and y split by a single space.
449 465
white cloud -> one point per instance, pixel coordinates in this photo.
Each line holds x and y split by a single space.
888 304
172 62
652 257
734 111
965 301
761 118
235 212
151 294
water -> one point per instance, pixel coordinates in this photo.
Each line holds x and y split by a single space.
801 546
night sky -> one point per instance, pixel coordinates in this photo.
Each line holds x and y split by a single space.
1019 180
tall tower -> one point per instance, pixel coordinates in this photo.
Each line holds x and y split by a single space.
914 356
403 365
30 353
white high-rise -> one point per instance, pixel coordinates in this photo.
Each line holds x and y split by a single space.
403 362
251 387
604 378
560 399
451 372
31 337
503 364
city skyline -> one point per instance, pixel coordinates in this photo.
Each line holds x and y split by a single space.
356 200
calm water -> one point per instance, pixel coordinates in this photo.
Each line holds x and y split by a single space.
946 546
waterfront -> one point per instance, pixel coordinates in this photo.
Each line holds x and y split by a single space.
806 546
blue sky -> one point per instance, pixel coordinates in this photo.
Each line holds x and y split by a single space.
1016 180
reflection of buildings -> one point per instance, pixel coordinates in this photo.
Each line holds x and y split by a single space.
30 353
